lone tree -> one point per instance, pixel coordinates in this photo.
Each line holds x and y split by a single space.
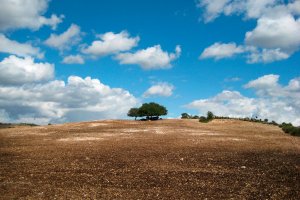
150 110
210 116
133 112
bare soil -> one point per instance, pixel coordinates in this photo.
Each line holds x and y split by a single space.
165 159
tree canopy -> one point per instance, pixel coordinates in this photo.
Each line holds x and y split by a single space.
133 112
150 110
185 116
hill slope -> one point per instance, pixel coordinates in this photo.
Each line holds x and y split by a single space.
166 159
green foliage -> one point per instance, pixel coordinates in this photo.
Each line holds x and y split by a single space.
27 124
185 116
203 119
195 117
150 110
133 112
290 129
210 116
286 127
274 123
12 125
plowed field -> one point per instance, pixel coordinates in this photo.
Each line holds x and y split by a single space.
165 159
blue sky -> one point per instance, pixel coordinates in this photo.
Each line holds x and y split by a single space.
235 58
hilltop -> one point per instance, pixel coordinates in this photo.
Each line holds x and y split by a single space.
164 159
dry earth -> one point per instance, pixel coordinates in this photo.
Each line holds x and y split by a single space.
166 159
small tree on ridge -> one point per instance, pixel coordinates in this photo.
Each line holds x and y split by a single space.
150 110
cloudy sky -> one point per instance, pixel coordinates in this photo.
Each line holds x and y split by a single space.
68 60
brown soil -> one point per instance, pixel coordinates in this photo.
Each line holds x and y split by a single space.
165 159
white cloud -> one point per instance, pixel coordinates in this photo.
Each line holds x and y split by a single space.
253 54
219 51
250 8
266 86
111 43
232 79
14 47
161 89
276 35
213 8
273 101
17 14
266 56
28 94
294 85
150 58
280 32
227 103
263 82
73 59
16 71
56 101
294 7
65 40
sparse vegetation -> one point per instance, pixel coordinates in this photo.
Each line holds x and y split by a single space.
286 127
290 129
185 116
195 117
12 125
209 117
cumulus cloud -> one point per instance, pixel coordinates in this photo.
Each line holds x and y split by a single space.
14 47
279 32
161 89
17 14
266 86
250 8
219 51
29 93
227 103
213 8
57 101
65 40
294 7
273 101
150 58
73 59
263 82
276 35
253 54
266 55
111 43
17 71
